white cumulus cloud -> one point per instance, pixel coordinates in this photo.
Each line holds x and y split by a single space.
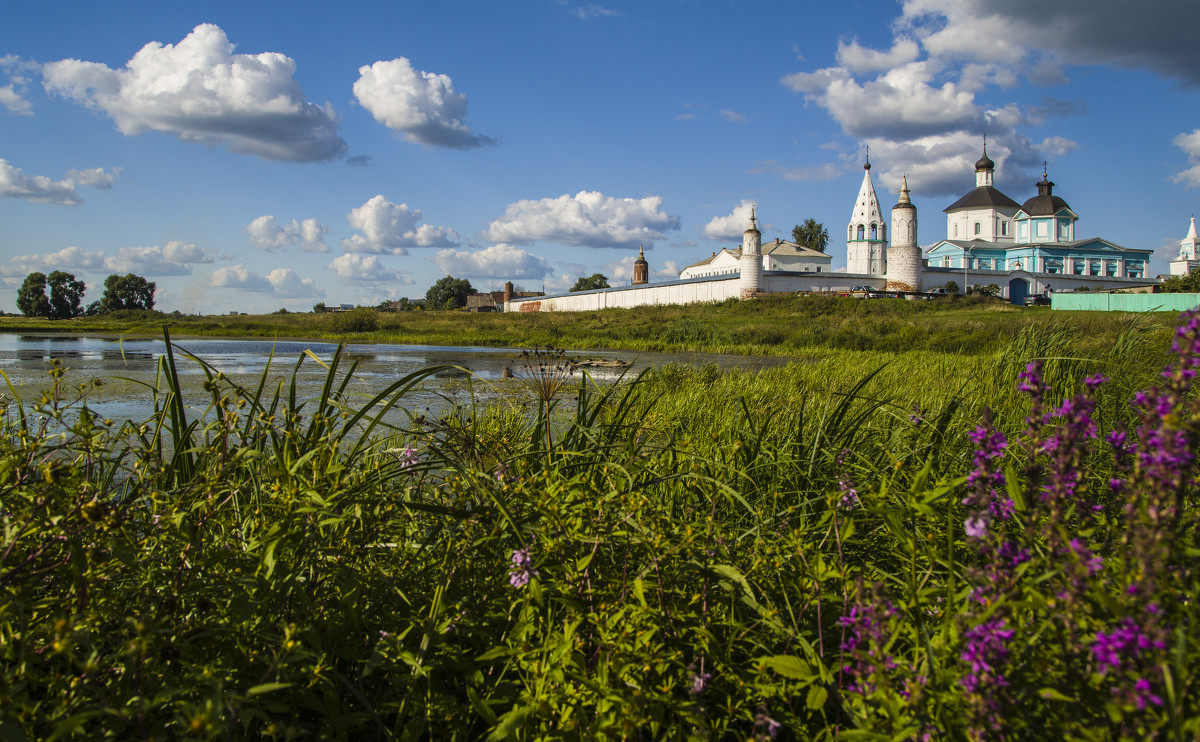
267 233
70 259
588 218
420 106
390 229
356 268
199 90
12 96
730 227
14 183
496 261
173 259
281 282
1190 144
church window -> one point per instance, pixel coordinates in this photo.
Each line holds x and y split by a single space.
955 230
977 227
946 261
1094 267
1004 228
1041 229
985 264
860 231
874 232
850 232
1110 268
1077 267
1053 265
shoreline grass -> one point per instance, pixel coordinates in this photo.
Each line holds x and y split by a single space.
782 325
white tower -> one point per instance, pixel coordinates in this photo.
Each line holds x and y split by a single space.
866 237
1189 253
750 263
904 254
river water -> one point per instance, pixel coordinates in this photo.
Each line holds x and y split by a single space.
127 368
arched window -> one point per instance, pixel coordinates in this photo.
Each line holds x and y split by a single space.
850 232
860 231
977 227
955 230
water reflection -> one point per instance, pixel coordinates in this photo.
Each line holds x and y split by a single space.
126 366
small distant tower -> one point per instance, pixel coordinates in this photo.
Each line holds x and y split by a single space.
1189 253
904 254
641 269
750 263
508 291
866 237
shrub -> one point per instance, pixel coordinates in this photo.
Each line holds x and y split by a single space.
361 319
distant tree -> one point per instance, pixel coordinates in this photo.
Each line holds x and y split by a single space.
991 289
319 307
31 297
1189 284
952 287
448 293
66 295
129 291
93 309
403 304
811 234
281 310
592 282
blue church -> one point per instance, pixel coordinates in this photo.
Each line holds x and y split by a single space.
989 237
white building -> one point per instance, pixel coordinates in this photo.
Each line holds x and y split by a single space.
777 255
1189 253
866 235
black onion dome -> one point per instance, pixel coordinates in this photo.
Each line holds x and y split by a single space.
1045 203
985 162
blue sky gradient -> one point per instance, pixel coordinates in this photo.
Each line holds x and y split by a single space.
253 156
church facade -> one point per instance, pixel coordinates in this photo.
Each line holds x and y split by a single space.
989 236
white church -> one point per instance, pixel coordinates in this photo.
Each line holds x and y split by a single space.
1024 249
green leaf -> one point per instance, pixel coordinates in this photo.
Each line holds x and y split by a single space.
817 695
258 690
788 666
1052 694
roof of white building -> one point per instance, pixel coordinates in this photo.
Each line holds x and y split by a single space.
1092 243
778 248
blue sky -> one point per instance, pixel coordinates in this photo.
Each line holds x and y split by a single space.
253 156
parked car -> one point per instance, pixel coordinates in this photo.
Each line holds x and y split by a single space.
1037 300
939 291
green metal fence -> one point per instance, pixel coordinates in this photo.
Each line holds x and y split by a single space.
1125 302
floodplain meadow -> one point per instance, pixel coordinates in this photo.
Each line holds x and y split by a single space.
864 544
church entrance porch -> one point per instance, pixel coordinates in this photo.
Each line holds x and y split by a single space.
1018 289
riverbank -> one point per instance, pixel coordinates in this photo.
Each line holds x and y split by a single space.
776 325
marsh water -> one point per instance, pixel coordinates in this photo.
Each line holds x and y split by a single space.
127 369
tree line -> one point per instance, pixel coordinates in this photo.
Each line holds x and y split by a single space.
65 299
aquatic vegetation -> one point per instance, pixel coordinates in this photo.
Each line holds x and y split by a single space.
908 547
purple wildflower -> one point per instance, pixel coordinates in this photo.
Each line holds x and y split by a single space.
764 726
408 458
867 628
984 650
700 682
521 574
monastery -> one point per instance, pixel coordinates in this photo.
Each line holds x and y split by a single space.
1025 249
